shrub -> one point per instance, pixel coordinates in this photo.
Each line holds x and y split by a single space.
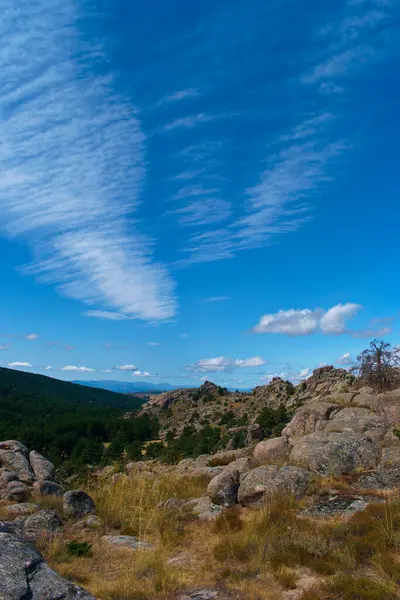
75 548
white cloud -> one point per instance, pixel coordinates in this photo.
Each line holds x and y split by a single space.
126 368
73 155
106 314
32 336
222 363
345 360
270 376
153 343
3 347
217 299
73 368
334 320
180 95
141 374
256 361
304 373
189 122
289 322
18 364
49 368
307 321
106 371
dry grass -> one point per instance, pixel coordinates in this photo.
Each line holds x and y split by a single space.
256 554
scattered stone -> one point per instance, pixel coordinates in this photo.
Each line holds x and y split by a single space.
44 521
338 504
129 541
223 488
47 488
15 491
77 503
262 484
203 508
26 508
380 479
43 469
171 504
24 575
184 558
243 465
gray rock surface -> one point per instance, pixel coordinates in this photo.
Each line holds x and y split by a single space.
77 503
14 456
42 522
310 418
380 479
15 491
335 453
223 488
25 576
43 469
261 485
272 451
361 420
203 508
47 488
129 541
390 457
25 508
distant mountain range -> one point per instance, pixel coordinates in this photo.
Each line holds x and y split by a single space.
129 387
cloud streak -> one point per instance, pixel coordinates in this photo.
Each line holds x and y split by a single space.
73 167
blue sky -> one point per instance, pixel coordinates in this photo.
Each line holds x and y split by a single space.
195 190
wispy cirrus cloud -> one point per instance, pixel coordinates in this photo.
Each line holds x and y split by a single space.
180 95
189 121
72 166
213 299
31 337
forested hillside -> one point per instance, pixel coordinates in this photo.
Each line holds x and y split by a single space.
68 422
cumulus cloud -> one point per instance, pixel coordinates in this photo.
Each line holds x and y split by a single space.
141 373
76 369
222 363
32 336
334 320
304 373
17 364
345 360
73 158
289 322
256 361
306 321
126 368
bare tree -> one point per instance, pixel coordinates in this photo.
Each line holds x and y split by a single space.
379 365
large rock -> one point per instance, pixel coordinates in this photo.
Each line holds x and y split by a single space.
14 456
243 465
390 457
381 479
203 508
77 503
15 491
47 488
309 418
25 576
365 397
261 485
223 488
272 451
388 404
358 419
335 453
41 523
43 469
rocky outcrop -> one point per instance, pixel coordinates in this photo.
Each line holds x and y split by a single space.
261 485
22 471
223 488
335 453
77 503
43 469
24 575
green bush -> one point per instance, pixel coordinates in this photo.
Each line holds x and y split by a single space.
75 548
